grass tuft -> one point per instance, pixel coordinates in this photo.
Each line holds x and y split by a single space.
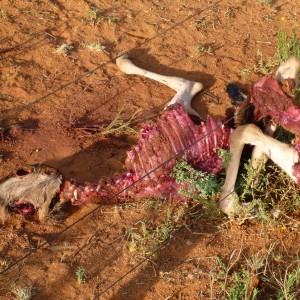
266 2
145 239
96 17
119 126
204 49
64 49
80 275
97 48
24 293
287 46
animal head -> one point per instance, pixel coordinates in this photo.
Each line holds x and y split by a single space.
30 189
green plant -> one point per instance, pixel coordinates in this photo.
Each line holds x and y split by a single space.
204 49
266 2
287 46
254 184
80 275
201 23
195 181
231 11
262 67
265 189
95 16
234 285
145 240
197 185
245 72
117 126
240 287
225 154
288 283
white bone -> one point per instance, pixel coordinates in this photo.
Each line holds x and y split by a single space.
284 155
257 155
286 70
185 89
289 69
265 146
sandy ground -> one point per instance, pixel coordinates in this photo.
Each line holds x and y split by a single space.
215 42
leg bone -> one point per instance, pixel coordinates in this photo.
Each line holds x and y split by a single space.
289 69
257 154
185 89
284 155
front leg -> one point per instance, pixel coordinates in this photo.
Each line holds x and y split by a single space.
284 155
257 153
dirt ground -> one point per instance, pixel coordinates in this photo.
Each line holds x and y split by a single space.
215 42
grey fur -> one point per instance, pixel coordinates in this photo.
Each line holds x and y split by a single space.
37 188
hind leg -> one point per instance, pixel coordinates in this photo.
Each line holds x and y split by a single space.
185 89
284 155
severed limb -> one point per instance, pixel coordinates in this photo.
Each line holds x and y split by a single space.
284 155
185 89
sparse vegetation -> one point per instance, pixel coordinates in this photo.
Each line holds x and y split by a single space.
262 67
64 49
245 72
204 49
3 264
287 46
266 2
268 189
119 126
287 282
24 293
96 17
4 14
146 240
231 11
97 48
248 278
80 275
201 23
197 185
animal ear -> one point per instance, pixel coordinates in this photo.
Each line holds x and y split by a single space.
21 172
289 69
